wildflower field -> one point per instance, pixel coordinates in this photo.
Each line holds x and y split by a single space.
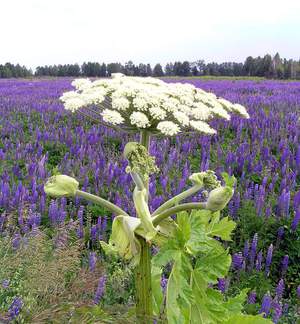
52 266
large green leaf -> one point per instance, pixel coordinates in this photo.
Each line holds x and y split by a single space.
214 265
247 319
234 305
229 180
208 303
179 295
222 229
158 297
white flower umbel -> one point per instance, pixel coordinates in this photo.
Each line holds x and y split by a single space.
137 103
168 128
202 127
139 119
112 117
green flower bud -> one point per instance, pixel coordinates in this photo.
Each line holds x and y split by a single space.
207 179
219 198
61 186
140 161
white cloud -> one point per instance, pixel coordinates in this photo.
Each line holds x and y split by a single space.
36 32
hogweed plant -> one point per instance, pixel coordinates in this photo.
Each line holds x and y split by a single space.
152 107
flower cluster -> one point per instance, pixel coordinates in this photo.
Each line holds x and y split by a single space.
148 103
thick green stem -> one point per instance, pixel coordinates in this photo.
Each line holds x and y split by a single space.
176 209
175 200
144 311
102 202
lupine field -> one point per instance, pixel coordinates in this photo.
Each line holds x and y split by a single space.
63 276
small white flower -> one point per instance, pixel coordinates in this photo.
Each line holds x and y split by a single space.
112 117
201 126
120 103
81 84
157 113
140 103
68 95
168 128
93 96
241 110
74 104
139 119
201 111
182 118
218 110
226 104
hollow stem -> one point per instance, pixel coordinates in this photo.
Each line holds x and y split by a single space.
102 202
175 200
144 311
176 209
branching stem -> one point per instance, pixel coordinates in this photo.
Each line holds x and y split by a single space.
102 202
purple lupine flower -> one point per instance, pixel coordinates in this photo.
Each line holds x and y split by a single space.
258 264
284 264
298 291
296 203
15 308
100 289
253 249
277 311
280 289
223 284
252 297
237 261
266 305
296 220
246 249
164 283
94 233
92 261
269 259
268 211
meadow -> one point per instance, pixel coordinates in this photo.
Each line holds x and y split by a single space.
52 267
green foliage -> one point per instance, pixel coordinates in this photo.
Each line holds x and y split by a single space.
56 152
198 260
119 283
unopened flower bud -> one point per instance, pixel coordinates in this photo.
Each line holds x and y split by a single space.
207 179
140 161
61 186
219 198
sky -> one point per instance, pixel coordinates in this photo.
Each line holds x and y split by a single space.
41 32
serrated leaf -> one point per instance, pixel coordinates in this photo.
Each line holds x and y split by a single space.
179 293
166 254
157 294
214 265
223 229
229 180
248 319
234 305
208 306
184 227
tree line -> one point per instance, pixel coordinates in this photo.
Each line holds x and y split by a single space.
267 66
